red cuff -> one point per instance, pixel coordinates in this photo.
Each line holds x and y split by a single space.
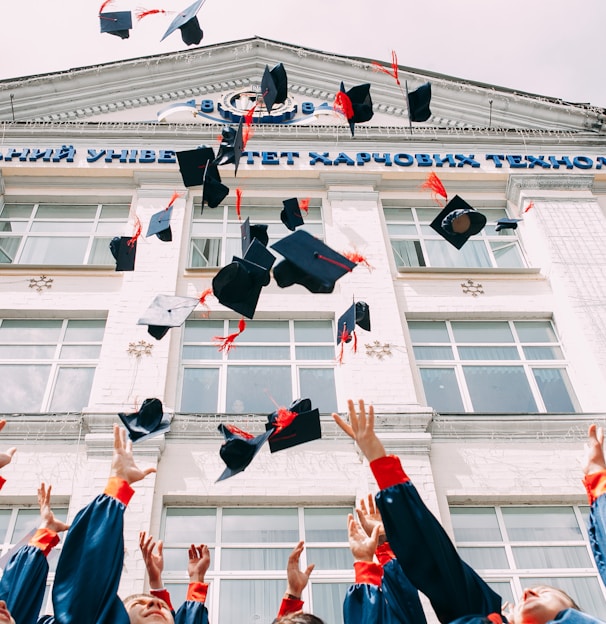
44 539
384 553
289 605
595 484
368 572
119 489
388 471
2 482
197 591
163 594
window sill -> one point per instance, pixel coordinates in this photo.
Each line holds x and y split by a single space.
105 269
467 270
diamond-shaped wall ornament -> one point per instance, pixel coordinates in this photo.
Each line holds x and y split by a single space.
40 283
139 348
377 349
472 288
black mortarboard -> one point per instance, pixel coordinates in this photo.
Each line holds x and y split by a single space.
274 86
167 311
358 313
361 104
456 216
304 427
418 103
507 224
213 191
147 422
239 449
309 262
291 214
187 22
231 146
116 23
193 164
249 232
363 315
238 285
124 250
159 224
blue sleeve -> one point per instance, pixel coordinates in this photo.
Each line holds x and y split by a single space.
364 604
23 584
429 559
192 612
597 534
85 590
401 596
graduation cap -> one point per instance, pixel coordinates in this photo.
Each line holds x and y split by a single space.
249 232
356 104
159 224
507 224
116 23
239 449
167 311
357 314
147 422
187 22
124 251
309 262
293 426
274 86
457 221
238 285
291 214
213 191
193 165
231 146
418 102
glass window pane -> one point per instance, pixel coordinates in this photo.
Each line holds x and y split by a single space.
330 558
533 524
24 388
507 256
187 525
528 557
249 388
176 559
61 211
401 229
326 524
27 522
503 588
327 601
249 600
441 389
543 353
428 331
408 253
14 211
442 254
555 389
315 353
433 353
484 331
27 352
313 331
200 391
265 352
100 253
29 331
84 331
5 516
484 558
205 252
535 331
259 525
61 226
201 353
56 250
80 352
475 524
115 211
318 384
398 214
262 331
202 331
497 389
72 389
254 558
8 248
488 353
178 592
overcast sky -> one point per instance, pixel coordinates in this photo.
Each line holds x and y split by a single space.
548 47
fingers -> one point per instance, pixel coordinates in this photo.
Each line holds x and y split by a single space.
343 425
296 552
309 569
11 451
148 471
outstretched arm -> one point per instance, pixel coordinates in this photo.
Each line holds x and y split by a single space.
7 456
193 610
296 582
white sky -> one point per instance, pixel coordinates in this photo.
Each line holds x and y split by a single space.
548 47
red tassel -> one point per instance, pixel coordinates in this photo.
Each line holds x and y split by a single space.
240 432
355 344
358 258
343 105
137 233
304 205
202 301
239 203
104 5
247 131
394 68
284 419
530 205
226 343
173 199
141 13
339 264
434 184
340 357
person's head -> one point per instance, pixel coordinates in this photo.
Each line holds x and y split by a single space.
5 616
298 618
147 609
540 604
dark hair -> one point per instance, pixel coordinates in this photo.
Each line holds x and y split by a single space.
299 618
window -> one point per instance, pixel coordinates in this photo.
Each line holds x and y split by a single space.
17 525
249 552
416 244
272 362
59 233
492 366
514 547
216 238
48 365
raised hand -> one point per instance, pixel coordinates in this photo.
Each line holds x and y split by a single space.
153 558
5 458
123 462
594 450
297 579
362 546
362 430
369 517
46 513
199 562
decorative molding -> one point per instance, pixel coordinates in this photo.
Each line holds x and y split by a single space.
40 283
534 184
472 288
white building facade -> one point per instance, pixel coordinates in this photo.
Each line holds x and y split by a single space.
485 365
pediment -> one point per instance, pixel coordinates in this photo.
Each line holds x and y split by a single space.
199 85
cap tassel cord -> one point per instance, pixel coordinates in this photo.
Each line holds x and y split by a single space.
284 419
343 105
239 203
304 205
103 6
133 240
358 258
339 264
239 432
226 343
434 184
530 205
141 13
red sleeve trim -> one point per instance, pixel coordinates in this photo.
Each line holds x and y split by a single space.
384 553
289 605
595 484
368 572
197 591
388 471
163 594
119 489
495 618
45 540
2 482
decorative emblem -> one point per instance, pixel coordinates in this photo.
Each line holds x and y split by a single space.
472 288
233 106
139 348
40 283
378 350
